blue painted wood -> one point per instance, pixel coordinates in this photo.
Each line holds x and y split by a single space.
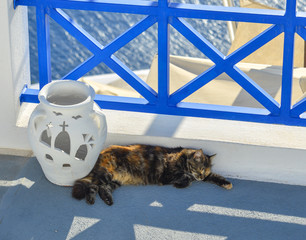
288 59
196 110
163 54
120 6
131 78
24 3
43 43
83 68
129 35
164 13
301 18
197 40
301 31
195 84
224 64
226 13
185 109
29 95
104 53
253 45
75 30
298 108
253 89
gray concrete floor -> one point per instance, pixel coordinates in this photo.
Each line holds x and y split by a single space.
10 167
33 208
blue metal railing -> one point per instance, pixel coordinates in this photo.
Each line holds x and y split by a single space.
165 13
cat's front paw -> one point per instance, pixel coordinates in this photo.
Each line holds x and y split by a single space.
227 186
91 195
108 200
218 180
90 200
106 195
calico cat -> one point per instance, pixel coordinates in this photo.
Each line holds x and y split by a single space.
142 165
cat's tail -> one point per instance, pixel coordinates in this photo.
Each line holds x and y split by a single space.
81 187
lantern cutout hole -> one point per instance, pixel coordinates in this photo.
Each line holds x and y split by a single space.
81 152
57 113
62 141
76 117
49 158
45 137
66 166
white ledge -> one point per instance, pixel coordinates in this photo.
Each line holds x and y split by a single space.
191 128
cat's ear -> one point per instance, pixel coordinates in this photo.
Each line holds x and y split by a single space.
198 154
211 157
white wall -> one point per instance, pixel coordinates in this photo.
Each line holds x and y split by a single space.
14 73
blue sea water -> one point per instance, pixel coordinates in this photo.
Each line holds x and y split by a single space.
67 52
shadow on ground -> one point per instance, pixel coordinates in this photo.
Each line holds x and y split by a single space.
251 210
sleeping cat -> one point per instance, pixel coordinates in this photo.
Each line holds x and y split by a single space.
142 165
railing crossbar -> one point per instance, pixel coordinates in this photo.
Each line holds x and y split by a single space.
237 14
104 53
254 89
75 30
254 44
208 49
195 84
298 108
131 78
225 64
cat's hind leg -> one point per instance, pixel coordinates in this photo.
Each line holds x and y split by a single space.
218 180
105 191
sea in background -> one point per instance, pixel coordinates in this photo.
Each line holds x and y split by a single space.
67 53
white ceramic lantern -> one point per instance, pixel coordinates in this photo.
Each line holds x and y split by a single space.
67 131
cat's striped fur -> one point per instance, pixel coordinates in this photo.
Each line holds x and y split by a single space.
145 164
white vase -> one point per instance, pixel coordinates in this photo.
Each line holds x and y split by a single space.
67 131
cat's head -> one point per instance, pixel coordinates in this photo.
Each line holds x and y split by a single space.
199 164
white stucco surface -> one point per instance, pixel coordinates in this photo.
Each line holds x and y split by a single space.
14 73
